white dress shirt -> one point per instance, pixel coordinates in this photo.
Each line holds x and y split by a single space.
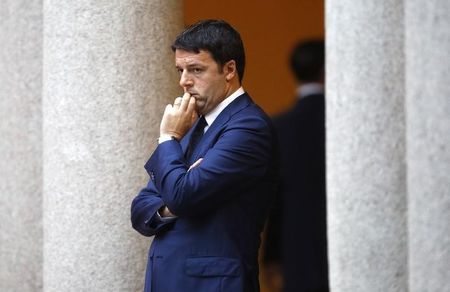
212 115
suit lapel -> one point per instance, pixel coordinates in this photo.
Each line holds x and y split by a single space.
237 105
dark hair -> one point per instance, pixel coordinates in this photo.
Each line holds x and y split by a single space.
308 60
218 38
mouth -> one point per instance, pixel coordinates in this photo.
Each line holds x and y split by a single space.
196 96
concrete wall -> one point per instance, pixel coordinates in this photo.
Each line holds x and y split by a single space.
83 87
20 145
428 136
366 171
388 154
108 72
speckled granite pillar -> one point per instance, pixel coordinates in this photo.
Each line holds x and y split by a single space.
20 146
428 137
108 73
366 170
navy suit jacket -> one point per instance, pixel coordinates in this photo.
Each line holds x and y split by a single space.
221 204
296 230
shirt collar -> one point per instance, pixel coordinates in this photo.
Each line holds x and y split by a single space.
211 116
310 89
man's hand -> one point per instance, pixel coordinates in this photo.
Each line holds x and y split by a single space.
165 212
179 117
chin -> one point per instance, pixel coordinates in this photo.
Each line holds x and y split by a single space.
200 108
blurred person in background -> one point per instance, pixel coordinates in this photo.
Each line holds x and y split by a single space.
295 256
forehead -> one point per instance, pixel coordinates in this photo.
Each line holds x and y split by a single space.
186 58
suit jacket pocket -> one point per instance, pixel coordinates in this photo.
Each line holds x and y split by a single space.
212 267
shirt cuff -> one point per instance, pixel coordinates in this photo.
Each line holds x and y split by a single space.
164 138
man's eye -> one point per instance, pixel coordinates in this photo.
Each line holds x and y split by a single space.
180 71
197 70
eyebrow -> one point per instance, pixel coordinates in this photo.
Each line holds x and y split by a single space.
192 65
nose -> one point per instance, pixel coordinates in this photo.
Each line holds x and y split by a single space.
185 79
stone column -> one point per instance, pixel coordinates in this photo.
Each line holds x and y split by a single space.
366 171
20 146
108 73
428 137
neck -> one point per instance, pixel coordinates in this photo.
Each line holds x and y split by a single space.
233 86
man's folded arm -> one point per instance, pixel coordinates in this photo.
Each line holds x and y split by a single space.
144 212
238 160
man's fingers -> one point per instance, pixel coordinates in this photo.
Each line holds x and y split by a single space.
194 117
167 109
178 118
191 105
167 212
177 102
185 101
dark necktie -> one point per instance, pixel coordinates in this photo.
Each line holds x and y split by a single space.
196 136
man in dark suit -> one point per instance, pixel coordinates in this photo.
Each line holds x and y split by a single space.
296 231
212 178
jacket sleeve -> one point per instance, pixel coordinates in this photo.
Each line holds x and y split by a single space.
144 218
238 160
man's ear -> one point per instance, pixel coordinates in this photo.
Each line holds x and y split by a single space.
230 70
